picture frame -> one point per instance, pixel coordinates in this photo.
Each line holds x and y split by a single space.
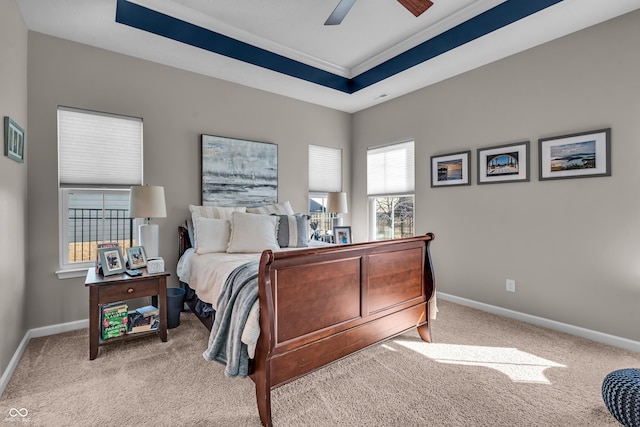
136 257
504 163
238 172
578 155
111 261
14 141
449 170
342 235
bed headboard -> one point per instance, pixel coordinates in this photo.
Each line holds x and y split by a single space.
184 242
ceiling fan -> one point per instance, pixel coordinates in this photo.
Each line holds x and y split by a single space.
417 7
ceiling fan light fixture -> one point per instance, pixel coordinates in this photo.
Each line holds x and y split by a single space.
417 7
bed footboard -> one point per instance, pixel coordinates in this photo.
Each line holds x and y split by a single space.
319 305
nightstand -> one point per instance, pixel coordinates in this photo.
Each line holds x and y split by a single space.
105 290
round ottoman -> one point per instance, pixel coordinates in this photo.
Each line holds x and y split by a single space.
621 394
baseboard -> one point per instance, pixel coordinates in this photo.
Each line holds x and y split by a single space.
551 324
13 363
58 329
35 333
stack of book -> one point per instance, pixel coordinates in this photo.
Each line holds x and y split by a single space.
143 319
115 320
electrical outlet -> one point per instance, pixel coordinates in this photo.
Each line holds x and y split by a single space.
511 285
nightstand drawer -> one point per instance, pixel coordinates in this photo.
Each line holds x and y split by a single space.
132 289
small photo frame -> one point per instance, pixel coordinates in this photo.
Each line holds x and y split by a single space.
111 261
136 257
579 155
504 163
450 169
14 142
342 235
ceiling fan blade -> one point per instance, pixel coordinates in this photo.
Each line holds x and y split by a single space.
340 12
417 7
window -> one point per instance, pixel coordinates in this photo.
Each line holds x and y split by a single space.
390 187
99 158
325 175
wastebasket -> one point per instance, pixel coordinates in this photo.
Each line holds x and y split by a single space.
175 301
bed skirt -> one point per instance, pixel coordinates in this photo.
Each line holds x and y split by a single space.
203 310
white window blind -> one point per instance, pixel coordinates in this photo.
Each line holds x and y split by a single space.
390 170
98 149
325 169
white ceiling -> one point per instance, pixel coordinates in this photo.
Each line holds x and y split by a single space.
373 32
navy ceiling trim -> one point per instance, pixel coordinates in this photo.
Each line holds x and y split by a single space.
510 11
154 22
500 16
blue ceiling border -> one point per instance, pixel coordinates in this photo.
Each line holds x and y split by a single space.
506 13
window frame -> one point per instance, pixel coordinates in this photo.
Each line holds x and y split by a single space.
329 165
110 178
75 269
407 190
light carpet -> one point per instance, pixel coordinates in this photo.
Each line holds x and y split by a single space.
481 370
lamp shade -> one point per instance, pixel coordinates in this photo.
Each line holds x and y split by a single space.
337 202
147 202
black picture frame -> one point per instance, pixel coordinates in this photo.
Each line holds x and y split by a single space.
577 155
14 140
504 163
452 169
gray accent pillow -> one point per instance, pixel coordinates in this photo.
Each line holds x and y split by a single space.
292 230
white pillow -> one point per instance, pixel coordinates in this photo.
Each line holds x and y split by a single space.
218 212
253 233
282 208
212 235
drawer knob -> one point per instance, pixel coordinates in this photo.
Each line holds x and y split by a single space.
130 290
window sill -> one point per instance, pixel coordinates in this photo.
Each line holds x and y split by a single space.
72 274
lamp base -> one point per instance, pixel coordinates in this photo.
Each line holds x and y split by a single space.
337 221
148 238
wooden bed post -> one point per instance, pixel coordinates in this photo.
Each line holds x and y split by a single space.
263 397
261 375
430 289
425 331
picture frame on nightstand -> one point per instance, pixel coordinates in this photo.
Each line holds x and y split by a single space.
342 235
136 257
111 261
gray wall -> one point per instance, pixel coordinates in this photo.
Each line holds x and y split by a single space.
176 106
13 182
573 246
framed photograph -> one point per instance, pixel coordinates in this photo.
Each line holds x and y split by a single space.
450 169
237 172
136 257
111 261
580 155
504 163
342 235
14 142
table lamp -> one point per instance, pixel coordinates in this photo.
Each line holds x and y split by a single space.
148 202
337 204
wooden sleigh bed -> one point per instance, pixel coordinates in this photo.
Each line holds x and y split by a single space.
318 305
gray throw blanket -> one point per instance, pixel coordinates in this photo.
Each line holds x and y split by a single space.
238 294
